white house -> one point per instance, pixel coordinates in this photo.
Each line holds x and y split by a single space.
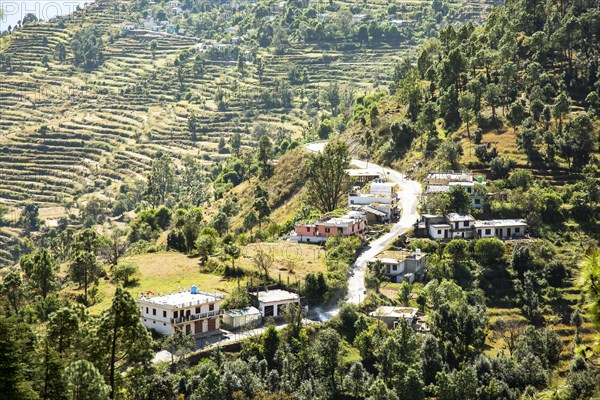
195 312
402 266
382 196
243 317
462 225
455 225
501 228
272 303
391 315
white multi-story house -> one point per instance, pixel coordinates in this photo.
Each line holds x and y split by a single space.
382 197
194 311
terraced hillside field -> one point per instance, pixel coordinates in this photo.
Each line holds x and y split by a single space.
66 132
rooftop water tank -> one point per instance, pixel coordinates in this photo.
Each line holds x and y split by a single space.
480 179
194 289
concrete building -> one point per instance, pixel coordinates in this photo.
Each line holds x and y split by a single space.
402 266
381 196
501 228
455 225
272 302
242 318
391 315
462 225
195 312
353 223
362 176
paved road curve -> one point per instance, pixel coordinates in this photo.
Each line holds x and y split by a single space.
408 196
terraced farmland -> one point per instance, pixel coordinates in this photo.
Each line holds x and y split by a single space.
65 132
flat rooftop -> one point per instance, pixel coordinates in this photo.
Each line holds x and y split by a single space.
501 222
398 255
240 312
183 299
363 172
459 217
274 295
395 312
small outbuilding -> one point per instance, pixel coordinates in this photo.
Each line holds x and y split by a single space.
242 318
272 302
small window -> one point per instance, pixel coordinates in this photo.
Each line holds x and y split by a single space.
477 201
197 310
164 324
175 314
340 230
211 307
517 230
439 231
144 319
488 231
153 322
146 310
469 189
154 311
308 229
164 314
466 223
327 230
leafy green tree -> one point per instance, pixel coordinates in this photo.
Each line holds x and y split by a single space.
577 144
160 180
589 281
63 327
16 381
43 272
327 351
237 299
124 271
60 52
153 47
250 220
466 102
236 143
404 293
560 108
490 252
120 339
87 47
220 222
84 269
380 391
205 247
460 200
210 384
492 97
178 344
264 155
331 95
29 218
233 252
431 360
12 287
270 344
84 382
516 114
328 180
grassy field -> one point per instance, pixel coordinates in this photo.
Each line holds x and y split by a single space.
169 271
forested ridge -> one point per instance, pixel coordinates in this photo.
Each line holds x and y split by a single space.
515 99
